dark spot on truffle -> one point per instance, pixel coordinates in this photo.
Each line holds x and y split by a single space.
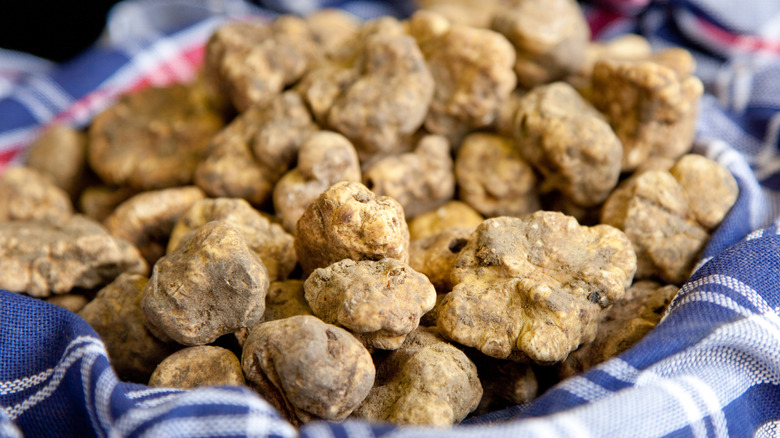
457 245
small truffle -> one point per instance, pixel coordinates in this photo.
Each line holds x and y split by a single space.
535 285
420 181
60 152
153 138
97 202
426 382
348 221
212 285
454 214
377 94
194 367
247 158
41 258
494 178
710 188
566 139
253 61
652 209
331 28
307 369
324 159
268 240
116 315
549 36
472 70
147 219
379 302
28 194
651 103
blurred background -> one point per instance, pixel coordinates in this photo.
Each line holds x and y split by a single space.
53 29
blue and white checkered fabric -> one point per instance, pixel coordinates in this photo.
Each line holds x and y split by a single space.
711 368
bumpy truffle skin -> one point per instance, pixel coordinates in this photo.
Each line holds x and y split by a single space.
380 302
652 209
60 152
41 258
494 178
652 104
147 219
425 382
253 61
348 221
565 138
628 46
268 240
28 194
193 367
454 214
535 285
420 181
549 36
622 326
153 138
376 91
389 100
324 159
308 369
435 255
116 315
248 157
212 285
472 70
710 188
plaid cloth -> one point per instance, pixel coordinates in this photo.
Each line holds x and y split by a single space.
710 368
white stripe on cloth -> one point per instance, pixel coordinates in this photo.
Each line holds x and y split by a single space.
249 425
104 387
137 417
8 429
733 284
584 388
619 369
770 429
49 91
132 395
70 356
156 401
86 384
39 110
13 386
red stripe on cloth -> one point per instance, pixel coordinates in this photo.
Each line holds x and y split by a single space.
600 20
8 156
740 41
187 64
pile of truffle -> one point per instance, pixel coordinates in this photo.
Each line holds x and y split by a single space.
403 221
